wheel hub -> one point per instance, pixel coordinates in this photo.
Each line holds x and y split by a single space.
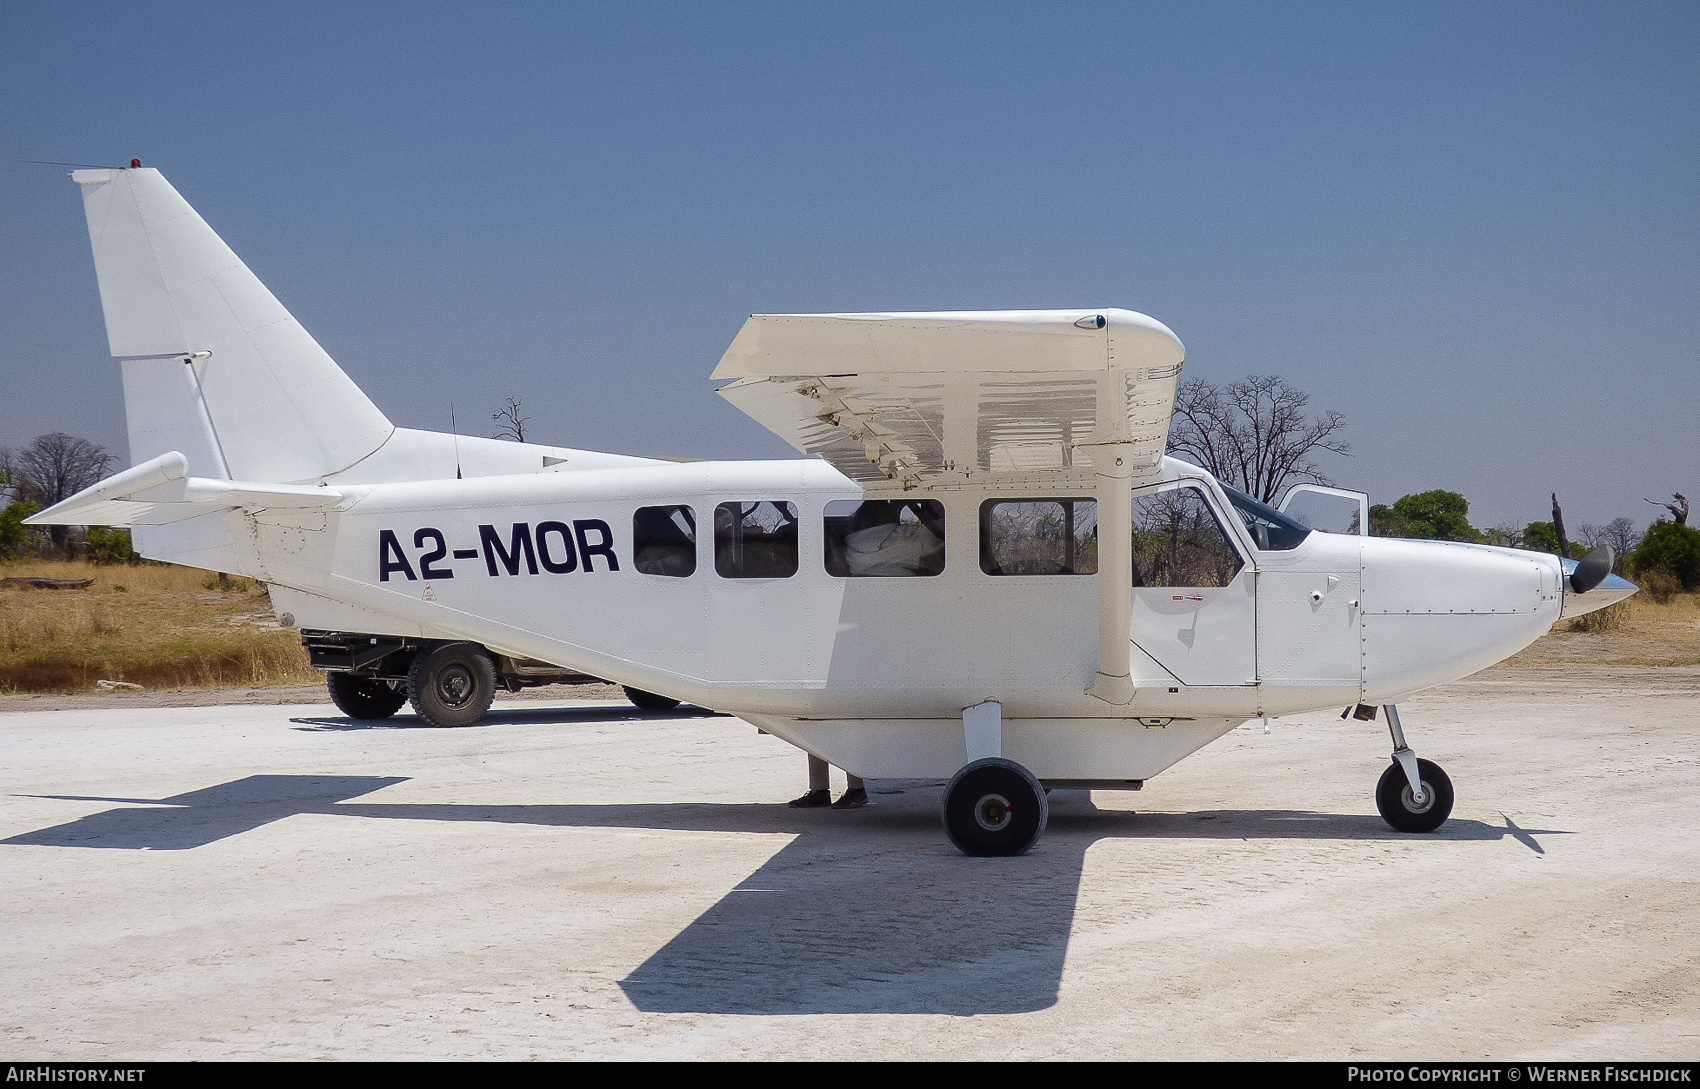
455 685
1412 804
993 812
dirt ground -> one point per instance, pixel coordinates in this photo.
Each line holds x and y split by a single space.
1651 634
578 879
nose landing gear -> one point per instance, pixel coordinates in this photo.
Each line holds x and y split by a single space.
1413 795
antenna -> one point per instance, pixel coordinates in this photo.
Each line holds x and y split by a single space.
455 429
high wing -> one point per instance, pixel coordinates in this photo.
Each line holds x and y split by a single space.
907 399
160 491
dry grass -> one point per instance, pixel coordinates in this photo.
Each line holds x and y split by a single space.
1639 631
157 625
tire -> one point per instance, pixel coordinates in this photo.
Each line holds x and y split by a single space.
1393 798
994 807
363 697
649 701
452 685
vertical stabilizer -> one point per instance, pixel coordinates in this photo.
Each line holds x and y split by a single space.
214 366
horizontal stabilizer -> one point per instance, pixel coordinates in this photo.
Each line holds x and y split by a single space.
158 492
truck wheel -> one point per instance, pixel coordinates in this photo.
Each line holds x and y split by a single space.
649 701
363 697
452 685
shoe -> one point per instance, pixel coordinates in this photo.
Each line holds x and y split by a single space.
852 799
814 799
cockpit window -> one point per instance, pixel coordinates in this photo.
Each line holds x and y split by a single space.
1270 530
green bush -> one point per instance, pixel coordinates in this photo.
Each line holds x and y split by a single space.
1383 522
15 537
1436 515
1671 549
1540 537
108 546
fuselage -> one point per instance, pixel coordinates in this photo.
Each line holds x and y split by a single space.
543 566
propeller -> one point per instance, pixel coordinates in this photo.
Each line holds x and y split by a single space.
1592 570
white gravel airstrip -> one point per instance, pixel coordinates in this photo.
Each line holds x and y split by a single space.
572 879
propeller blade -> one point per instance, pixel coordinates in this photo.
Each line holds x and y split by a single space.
1592 570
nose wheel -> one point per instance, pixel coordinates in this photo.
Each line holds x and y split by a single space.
1400 806
1413 795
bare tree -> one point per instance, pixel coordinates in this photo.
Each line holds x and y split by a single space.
1558 527
1254 433
55 467
512 423
1621 534
1507 535
1678 509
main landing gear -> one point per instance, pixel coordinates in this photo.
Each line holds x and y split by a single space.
1413 795
992 806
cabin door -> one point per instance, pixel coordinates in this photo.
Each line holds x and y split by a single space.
1194 594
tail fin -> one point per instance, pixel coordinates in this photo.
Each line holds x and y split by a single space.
214 366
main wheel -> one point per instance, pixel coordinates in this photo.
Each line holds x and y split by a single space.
363 697
994 807
649 701
1393 798
452 685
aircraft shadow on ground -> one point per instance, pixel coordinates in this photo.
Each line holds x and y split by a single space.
863 911
503 716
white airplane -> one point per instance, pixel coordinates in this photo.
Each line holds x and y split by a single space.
931 596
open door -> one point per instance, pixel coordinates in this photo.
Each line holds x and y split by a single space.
1194 592
1330 510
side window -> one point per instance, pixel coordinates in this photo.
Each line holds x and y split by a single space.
755 540
1039 536
1177 541
884 538
664 541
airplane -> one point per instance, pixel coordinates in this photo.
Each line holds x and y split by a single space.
986 572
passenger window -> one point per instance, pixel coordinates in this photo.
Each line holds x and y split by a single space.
664 541
1039 536
884 538
755 540
1177 541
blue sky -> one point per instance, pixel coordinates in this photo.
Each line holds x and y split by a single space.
1474 228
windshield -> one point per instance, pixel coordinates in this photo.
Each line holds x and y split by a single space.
1270 530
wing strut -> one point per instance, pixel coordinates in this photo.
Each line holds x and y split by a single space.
1113 465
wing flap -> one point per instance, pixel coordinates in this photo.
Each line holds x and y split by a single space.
913 398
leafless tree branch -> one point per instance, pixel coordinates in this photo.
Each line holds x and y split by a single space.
1254 434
